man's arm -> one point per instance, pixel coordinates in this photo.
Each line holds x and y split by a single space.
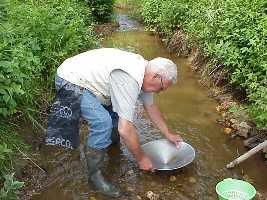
129 135
124 92
157 119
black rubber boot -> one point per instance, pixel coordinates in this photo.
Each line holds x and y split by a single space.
115 137
94 160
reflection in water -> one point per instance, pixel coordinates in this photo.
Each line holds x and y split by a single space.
187 108
125 24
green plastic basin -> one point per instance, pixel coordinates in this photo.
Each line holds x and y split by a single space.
233 189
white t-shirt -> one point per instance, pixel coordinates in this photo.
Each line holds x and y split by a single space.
112 75
124 94
92 69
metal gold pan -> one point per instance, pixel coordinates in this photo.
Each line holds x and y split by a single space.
165 155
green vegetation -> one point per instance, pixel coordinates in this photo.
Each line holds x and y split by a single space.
101 9
9 143
233 32
10 188
35 37
133 8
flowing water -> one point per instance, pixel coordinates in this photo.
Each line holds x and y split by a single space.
187 108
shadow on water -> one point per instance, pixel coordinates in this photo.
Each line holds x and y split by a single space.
187 108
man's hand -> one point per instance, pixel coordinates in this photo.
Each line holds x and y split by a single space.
130 138
175 138
159 122
145 163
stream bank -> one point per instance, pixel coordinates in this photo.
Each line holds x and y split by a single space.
213 76
187 107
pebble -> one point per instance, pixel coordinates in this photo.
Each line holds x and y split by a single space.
139 197
130 189
219 108
259 196
248 179
173 178
130 173
223 114
152 196
234 121
227 131
192 180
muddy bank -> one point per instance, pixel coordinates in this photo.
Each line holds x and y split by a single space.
213 76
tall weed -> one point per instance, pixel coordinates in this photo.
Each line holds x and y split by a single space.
9 142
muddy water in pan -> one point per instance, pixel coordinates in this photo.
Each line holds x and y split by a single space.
187 108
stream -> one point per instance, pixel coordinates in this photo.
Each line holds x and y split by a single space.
186 107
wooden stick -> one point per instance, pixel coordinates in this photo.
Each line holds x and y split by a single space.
247 154
28 158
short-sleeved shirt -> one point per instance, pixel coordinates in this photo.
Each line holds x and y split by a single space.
124 92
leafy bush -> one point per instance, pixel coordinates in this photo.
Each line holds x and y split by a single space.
35 37
172 15
151 11
4 157
10 188
233 32
102 10
9 142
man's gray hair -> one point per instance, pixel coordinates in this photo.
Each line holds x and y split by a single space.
164 67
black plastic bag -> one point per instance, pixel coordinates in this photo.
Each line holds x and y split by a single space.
64 118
